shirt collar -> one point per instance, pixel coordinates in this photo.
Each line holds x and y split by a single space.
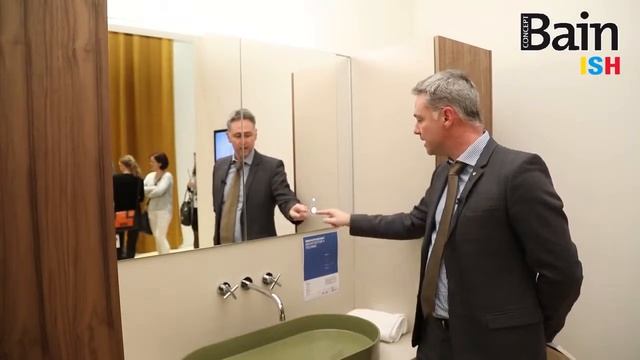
247 160
473 152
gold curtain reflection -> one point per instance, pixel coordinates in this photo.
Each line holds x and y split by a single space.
141 110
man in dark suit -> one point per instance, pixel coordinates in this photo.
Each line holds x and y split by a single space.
499 272
250 183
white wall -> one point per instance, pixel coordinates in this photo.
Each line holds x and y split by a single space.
586 129
332 25
185 122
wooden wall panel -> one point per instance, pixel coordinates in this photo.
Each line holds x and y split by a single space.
476 63
58 287
19 294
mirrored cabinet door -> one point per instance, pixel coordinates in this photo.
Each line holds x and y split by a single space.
298 96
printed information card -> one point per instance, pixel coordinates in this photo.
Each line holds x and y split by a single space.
320 265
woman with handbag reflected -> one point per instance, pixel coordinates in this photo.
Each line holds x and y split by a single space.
157 187
128 192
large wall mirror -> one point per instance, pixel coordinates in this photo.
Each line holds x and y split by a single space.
172 94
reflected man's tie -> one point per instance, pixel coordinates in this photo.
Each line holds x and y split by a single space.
230 208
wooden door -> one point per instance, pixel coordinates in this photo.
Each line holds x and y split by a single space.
476 63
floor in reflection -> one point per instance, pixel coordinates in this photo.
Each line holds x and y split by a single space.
153 253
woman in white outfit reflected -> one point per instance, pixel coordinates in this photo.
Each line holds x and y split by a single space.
158 188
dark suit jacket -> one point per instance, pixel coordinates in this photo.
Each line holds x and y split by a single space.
513 272
128 192
266 187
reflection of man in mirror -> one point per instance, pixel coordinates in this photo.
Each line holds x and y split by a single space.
250 183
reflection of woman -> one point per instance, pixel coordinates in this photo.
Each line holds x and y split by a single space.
157 187
127 195
192 188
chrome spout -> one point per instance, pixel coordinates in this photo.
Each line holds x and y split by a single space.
247 283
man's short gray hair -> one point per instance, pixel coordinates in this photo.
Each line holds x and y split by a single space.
239 115
451 88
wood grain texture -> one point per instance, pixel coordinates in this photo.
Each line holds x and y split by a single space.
58 289
476 63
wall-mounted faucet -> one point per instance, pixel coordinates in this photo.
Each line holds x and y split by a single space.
247 283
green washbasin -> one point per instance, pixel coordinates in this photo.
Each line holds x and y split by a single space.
313 337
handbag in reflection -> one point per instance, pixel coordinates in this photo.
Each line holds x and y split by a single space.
144 226
186 210
124 220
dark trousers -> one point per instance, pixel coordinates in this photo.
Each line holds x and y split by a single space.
127 251
194 226
436 341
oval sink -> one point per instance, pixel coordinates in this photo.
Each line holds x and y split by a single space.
313 337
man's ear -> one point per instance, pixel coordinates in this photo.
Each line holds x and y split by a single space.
450 116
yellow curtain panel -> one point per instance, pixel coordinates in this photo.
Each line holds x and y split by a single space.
141 110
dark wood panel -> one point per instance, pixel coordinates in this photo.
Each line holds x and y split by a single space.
59 287
20 297
476 63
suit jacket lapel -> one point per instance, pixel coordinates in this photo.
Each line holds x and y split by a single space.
476 174
437 187
221 179
255 164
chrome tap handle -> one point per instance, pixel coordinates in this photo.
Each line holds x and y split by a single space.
225 290
244 284
269 279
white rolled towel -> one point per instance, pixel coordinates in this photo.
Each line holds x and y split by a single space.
392 326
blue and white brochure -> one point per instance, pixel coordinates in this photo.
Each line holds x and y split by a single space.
320 265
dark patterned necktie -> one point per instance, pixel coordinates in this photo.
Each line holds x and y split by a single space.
432 273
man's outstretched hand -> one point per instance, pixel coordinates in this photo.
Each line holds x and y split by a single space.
335 217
